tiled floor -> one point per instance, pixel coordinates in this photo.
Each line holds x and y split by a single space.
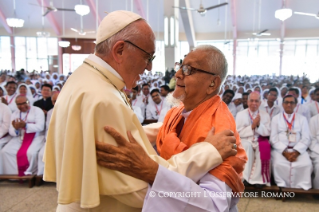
15 197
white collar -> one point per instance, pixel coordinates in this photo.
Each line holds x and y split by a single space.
254 114
186 114
104 64
266 105
289 116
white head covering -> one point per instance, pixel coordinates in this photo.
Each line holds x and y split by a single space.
237 96
113 23
54 87
29 93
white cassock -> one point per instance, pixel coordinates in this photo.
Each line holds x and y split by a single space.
154 110
166 107
35 124
249 139
142 98
138 102
302 110
41 152
314 149
232 108
271 111
239 108
313 108
5 120
11 101
291 174
138 112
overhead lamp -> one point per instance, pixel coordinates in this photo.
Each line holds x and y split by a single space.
82 9
64 43
15 22
283 14
43 34
76 47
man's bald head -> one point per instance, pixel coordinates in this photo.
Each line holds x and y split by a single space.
254 101
21 98
216 60
22 103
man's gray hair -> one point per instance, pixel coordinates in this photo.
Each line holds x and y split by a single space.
216 60
129 32
255 92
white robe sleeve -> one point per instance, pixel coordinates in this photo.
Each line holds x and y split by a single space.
12 130
274 138
264 125
305 140
243 128
314 125
38 126
174 192
6 120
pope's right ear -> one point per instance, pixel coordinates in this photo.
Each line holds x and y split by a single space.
117 51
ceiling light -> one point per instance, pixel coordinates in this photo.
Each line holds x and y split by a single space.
15 22
64 44
283 14
76 47
82 9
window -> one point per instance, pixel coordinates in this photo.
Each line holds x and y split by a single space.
5 53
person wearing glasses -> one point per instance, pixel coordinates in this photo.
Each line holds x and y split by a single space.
197 86
290 139
253 126
125 47
19 156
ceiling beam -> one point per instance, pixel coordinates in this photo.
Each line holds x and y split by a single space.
139 7
94 10
51 18
187 18
4 22
234 26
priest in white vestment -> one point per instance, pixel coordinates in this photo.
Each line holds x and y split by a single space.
5 121
314 105
9 99
154 109
82 111
253 123
301 109
270 105
314 150
19 156
40 171
290 139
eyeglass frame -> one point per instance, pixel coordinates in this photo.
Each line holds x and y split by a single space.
151 57
193 69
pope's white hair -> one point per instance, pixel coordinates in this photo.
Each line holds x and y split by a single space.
216 60
128 33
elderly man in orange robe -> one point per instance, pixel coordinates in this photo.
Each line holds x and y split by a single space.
197 85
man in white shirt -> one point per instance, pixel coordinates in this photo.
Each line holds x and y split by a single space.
269 106
9 99
228 95
290 139
253 125
154 109
164 90
314 105
300 109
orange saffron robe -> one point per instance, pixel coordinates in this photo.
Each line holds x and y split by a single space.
211 113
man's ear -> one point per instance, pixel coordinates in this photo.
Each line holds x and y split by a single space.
214 85
117 51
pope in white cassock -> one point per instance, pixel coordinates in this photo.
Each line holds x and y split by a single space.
253 126
5 120
125 47
20 155
314 149
290 139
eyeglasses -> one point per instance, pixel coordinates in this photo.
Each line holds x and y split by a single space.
188 70
287 103
151 57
